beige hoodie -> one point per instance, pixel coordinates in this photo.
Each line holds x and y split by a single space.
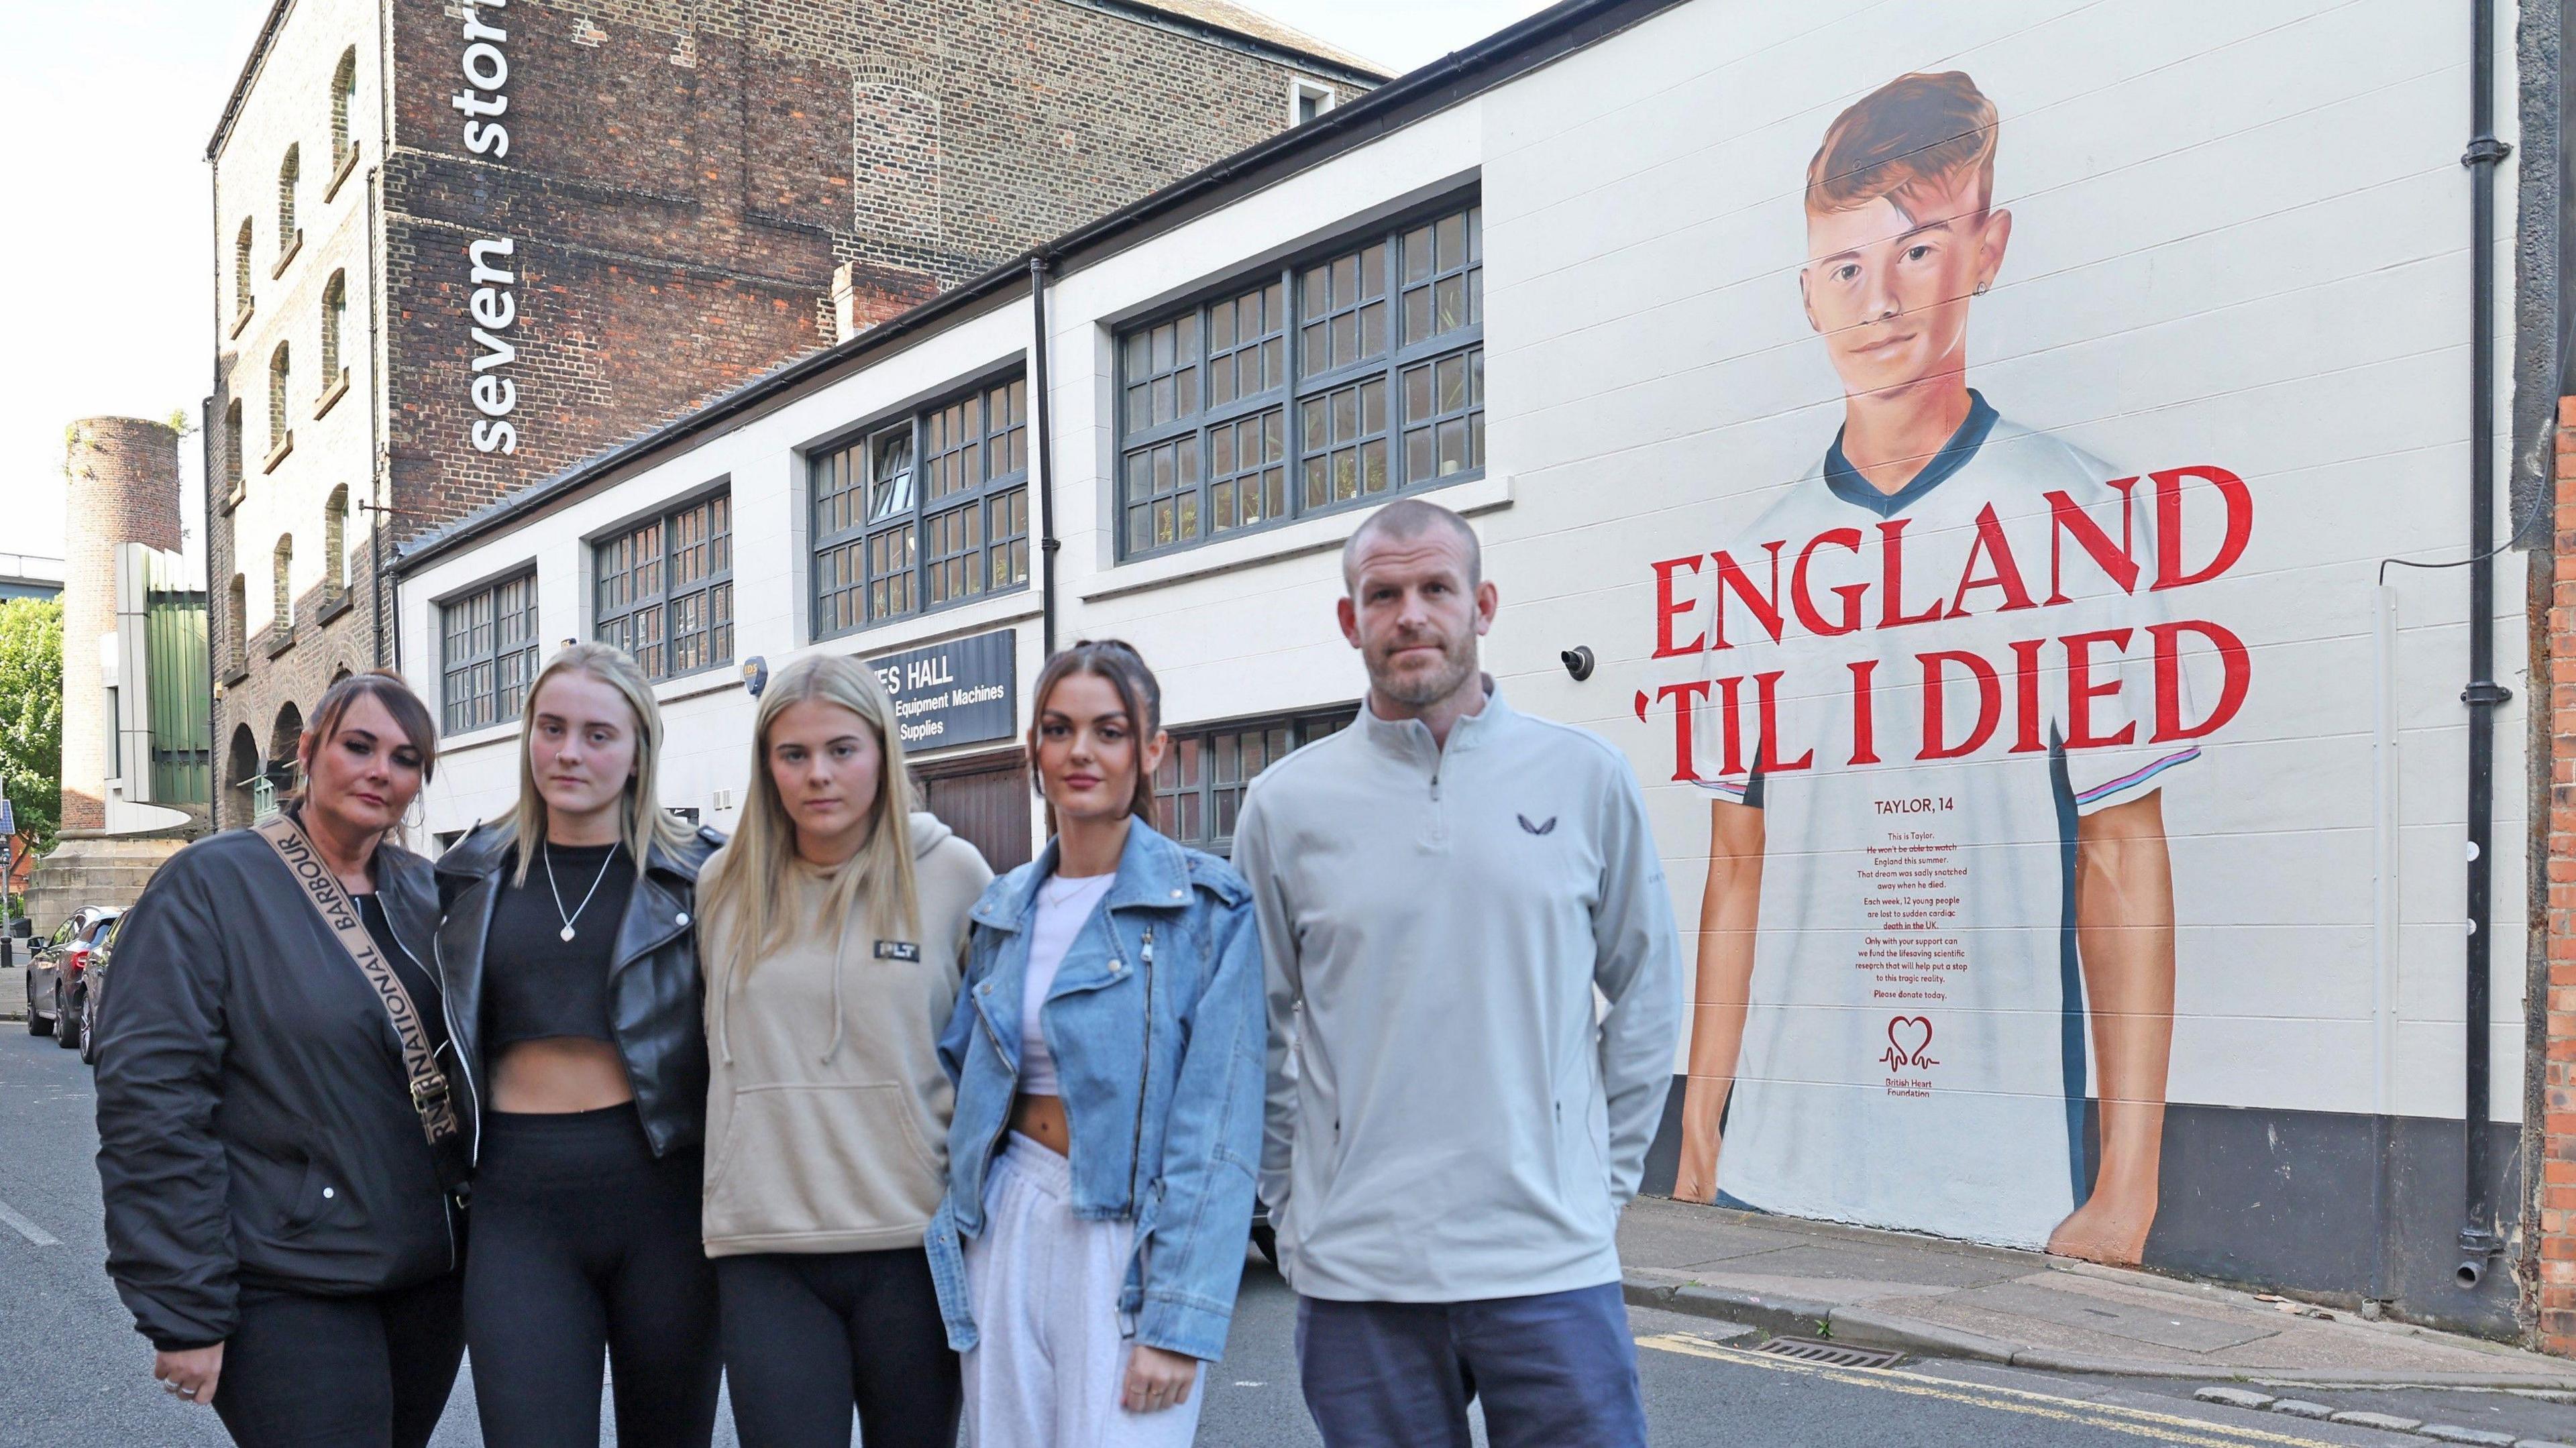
827 1112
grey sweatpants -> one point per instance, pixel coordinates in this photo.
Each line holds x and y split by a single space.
1049 1359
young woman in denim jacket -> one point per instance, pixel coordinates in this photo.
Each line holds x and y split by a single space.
1108 1053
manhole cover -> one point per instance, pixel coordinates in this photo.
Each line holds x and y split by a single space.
1831 1354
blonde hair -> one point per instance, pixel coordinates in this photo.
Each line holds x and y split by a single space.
644 821
750 879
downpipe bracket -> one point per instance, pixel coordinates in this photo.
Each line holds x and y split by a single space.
2485 151
2478 1247
2487 693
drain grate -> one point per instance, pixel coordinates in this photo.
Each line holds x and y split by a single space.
1831 1354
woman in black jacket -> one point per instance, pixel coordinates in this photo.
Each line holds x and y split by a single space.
571 970
275 1147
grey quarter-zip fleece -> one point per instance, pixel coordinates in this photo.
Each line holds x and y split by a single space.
1459 1121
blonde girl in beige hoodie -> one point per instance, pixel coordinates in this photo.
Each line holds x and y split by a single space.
831 928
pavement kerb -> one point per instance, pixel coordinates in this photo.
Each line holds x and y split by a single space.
1861 1326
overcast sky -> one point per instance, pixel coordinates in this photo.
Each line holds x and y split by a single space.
110 300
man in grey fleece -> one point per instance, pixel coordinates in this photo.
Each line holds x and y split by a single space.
1441 888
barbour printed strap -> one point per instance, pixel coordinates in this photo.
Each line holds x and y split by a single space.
323 890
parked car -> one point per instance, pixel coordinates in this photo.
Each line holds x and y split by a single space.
53 973
93 989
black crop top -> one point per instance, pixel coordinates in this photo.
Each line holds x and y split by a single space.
536 984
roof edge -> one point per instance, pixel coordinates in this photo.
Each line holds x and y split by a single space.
1341 67
249 75
1516 49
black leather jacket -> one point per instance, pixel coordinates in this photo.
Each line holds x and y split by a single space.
253 1120
656 1005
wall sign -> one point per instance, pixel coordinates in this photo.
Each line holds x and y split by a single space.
964 691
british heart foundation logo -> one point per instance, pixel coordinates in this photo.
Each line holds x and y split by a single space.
1909 1039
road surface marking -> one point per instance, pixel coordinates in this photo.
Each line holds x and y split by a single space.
26 1229
2138 1422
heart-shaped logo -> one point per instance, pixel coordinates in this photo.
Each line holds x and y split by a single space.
1908 1038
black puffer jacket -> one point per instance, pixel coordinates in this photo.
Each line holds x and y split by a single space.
254 1122
655 998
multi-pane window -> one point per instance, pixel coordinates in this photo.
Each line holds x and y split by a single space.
665 589
1341 380
487 654
929 512
1198 791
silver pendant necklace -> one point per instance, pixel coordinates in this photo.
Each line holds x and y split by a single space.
547 853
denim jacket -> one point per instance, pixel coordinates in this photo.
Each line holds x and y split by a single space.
1157 1024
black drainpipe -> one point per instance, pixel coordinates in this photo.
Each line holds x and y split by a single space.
2478 1240
1038 403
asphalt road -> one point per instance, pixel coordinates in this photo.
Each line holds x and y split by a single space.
73 1372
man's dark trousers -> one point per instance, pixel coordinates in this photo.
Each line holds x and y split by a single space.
1553 1371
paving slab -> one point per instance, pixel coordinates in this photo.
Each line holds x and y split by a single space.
2162 1326
1961 1300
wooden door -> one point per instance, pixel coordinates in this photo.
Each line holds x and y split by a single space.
985 799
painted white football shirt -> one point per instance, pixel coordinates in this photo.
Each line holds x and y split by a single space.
1915 1052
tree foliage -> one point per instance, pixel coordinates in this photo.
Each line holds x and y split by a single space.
31 714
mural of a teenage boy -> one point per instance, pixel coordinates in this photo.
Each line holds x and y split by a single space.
1905 952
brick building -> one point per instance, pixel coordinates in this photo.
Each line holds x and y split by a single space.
460 246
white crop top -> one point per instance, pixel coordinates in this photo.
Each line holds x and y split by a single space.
1065 905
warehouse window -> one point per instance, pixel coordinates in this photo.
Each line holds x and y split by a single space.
281 584
1338 381
335 328
236 625
241 271
335 540
233 445
487 654
344 93
1307 101
1198 792
664 590
287 173
928 512
279 375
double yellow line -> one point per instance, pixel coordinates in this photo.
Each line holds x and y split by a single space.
2137 1422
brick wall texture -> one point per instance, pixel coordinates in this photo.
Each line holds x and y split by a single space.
124 479
2554 1290
681 181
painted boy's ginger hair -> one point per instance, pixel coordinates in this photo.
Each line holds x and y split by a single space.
1913 131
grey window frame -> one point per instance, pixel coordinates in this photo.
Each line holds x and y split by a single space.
1195 468
1204 749
494 661
921 522
709 588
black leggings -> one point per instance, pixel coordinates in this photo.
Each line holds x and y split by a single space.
584 1242
808 1337
341 1372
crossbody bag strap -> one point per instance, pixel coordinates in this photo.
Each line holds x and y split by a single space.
322 890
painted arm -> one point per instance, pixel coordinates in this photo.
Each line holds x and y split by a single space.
1730 909
2124 932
